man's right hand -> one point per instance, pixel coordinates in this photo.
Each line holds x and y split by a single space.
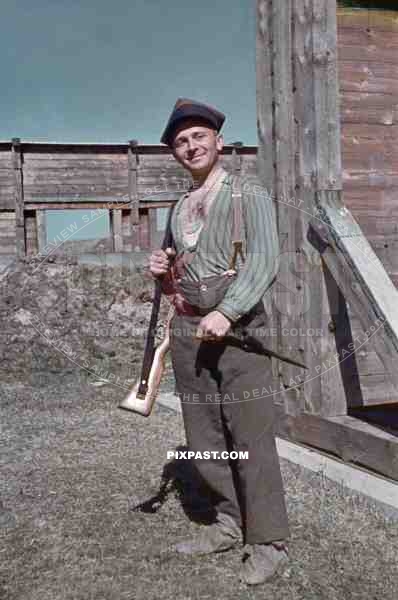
160 261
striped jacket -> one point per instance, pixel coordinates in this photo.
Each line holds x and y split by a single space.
212 252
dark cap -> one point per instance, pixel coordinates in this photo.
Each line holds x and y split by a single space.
185 108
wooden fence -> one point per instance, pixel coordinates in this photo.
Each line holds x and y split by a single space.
132 181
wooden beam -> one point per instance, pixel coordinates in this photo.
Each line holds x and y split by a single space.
265 94
287 297
297 110
86 205
236 159
326 90
105 201
315 83
116 230
346 437
133 163
41 230
306 265
19 199
361 277
265 135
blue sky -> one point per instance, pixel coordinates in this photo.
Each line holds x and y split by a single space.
101 71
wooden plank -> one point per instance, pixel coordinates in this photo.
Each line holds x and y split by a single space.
286 297
19 197
115 219
380 20
134 194
7 197
77 202
249 166
88 205
6 177
155 236
8 249
126 226
371 179
371 78
7 226
346 437
377 389
361 277
306 263
342 380
327 122
370 147
77 176
52 153
145 239
370 52
363 107
264 95
237 159
266 150
57 162
379 200
73 192
9 241
41 230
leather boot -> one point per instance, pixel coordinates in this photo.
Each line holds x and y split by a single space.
217 537
262 561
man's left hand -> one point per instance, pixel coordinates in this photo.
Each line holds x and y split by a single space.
213 327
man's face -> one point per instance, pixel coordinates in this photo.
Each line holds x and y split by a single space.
196 146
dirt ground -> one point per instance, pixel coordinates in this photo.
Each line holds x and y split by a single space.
73 469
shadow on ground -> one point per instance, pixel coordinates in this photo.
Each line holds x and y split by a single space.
90 509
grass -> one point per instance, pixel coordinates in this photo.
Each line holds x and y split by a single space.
73 469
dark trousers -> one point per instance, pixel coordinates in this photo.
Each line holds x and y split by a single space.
220 386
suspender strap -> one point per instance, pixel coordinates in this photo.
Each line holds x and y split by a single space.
237 223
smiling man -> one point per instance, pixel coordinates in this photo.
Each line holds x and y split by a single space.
217 293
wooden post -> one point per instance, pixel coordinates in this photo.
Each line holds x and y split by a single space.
265 134
308 262
236 158
327 117
41 229
116 230
328 183
299 151
133 163
265 95
362 278
288 290
19 199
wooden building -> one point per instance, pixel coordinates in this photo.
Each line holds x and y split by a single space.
326 103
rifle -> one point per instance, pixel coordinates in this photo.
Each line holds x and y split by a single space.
142 396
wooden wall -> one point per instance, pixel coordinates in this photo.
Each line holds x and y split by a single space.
368 73
368 76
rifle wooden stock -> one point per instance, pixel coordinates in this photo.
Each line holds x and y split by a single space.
143 403
144 392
